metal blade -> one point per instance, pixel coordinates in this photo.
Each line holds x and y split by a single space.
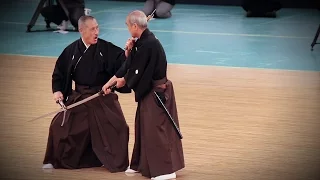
54 112
76 104
70 106
84 100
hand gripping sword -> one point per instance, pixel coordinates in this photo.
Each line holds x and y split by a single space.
65 108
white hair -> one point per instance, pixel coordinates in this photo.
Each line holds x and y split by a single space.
139 18
83 19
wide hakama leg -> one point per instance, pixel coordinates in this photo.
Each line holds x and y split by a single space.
94 134
110 133
157 149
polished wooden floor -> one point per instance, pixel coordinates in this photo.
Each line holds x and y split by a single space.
237 123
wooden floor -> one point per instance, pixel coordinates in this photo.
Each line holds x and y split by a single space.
237 123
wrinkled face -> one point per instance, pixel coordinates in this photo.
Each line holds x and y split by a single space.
90 31
132 28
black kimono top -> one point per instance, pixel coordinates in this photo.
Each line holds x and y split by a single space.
146 63
89 67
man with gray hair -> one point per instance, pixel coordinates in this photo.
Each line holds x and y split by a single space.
95 133
157 151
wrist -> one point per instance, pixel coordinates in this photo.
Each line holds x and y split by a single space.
127 52
124 78
113 78
56 91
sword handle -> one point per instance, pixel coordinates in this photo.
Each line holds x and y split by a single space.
60 102
112 87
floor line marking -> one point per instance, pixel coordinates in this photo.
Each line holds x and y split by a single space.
221 34
197 65
212 52
193 32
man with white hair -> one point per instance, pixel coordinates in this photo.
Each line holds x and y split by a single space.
158 151
94 133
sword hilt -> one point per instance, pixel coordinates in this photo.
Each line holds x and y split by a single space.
60 102
112 87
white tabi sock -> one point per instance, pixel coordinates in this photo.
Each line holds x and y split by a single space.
165 177
64 25
87 11
130 170
47 166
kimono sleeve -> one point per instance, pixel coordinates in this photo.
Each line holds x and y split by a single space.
122 70
116 55
59 72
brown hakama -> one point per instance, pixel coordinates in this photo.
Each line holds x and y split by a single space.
157 149
94 134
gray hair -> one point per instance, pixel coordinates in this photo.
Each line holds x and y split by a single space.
139 18
83 19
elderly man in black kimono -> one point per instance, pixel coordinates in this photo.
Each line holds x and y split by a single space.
95 133
158 151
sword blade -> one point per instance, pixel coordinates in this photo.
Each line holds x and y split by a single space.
70 106
51 113
84 100
77 103
90 97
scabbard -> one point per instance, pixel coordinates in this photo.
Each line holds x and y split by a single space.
169 116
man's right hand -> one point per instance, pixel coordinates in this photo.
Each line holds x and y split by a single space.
130 43
105 88
57 96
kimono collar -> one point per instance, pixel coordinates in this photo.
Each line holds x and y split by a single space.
145 33
82 46
87 46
